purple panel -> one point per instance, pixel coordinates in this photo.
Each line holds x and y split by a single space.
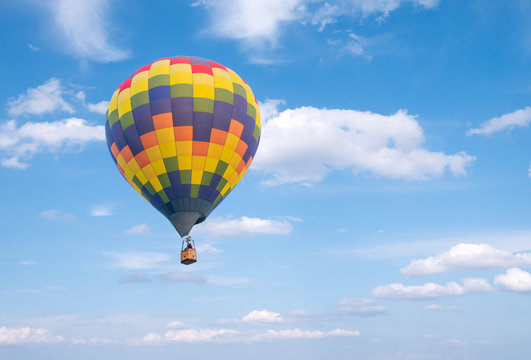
251 149
202 126
239 110
186 191
247 133
197 60
118 135
222 115
143 120
159 92
133 140
175 180
183 111
161 106
108 136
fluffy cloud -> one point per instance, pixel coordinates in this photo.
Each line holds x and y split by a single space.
302 145
53 214
436 307
432 290
384 7
140 260
43 99
101 211
302 334
243 226
140 229
514 279
19 144
190 336
262 317
27 335
520 117
466 256
82 26
361 307
100 108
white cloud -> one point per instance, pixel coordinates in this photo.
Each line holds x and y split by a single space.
208 249
27 262
436 307
521 117
33 47
361 306
180 277
43 99
100 108
27 335
302 145
243 226
190 336
140 229
19 144
514 279
53 214
431 290
262 317
302 334
140 260
368 7
466 256
101 211
175 324
83 27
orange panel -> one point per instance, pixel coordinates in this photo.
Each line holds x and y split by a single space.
162 121
241 148
183 133
149 140
218 136
127 154
142 159
236 127
200 148
114 150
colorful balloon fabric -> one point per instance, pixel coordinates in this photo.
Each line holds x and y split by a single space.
183 131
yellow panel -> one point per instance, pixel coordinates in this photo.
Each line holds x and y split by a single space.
165 135
204 91
223 83
133 165
153 153
228 173
196 176
185 162
140 175
211 164
235 78
160 68
128 172
113 104
203 79
168 150
156 184
236 158
159 167
198 162
232 141
187 68
214 150
139 83
180 78
225 189
221 73
124 102
149 172
136 188
184 148
226 155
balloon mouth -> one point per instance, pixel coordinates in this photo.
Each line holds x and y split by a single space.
201 219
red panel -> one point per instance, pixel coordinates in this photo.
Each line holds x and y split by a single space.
142 159
216 65
200 68
180 60
125 85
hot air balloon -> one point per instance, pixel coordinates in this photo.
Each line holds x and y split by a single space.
183 131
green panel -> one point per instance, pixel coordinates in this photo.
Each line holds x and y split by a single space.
186 176
113 117
251 110
164 180
220 169
150 188
218 199
137 182
207 178
224 95
171 163
182 90
221 184
126 120
238 89
204 105
159 80
256 132
163 196
139 99
195 191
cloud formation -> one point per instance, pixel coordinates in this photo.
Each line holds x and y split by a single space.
466 256
140 229
521 117
262 317
303 145
83 28
243 226
361 307
432 290
514 279
27 335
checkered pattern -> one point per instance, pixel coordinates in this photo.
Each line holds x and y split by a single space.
183 132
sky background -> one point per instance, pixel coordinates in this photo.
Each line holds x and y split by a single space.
385 216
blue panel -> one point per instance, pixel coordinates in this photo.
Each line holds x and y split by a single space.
118 135
133 140
202 126
161 106
143 120
182 109
222 115
239 110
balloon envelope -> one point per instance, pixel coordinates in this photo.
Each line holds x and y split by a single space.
183 131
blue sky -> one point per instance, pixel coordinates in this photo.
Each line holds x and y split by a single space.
385 216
